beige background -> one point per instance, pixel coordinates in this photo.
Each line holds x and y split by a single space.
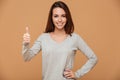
97 21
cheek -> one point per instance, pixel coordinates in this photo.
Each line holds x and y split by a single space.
54 19
65 20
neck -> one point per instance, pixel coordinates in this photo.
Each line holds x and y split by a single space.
59 32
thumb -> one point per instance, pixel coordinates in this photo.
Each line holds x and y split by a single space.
27 29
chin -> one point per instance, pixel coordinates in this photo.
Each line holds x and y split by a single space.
60 27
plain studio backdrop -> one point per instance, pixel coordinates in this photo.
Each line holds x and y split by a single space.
97 21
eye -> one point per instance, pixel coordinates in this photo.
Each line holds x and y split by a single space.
55 15
63 15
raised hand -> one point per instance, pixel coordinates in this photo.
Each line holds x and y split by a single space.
26 36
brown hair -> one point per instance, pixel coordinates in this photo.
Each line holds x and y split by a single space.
69 27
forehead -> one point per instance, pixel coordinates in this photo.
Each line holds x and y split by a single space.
58 10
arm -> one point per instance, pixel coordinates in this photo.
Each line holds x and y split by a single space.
92 59
29 53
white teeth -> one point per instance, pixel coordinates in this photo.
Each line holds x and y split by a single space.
60 24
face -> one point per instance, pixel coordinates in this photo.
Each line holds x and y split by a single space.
59 18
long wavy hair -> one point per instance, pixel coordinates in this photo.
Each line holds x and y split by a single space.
69 26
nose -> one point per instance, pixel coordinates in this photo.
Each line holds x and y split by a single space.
60 19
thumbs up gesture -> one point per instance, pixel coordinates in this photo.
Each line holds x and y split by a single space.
26 36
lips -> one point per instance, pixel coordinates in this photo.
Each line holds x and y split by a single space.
60 24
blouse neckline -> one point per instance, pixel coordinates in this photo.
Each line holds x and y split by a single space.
58 43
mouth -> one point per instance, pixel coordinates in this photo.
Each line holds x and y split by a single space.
60 24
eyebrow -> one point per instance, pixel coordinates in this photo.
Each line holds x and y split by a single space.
57 14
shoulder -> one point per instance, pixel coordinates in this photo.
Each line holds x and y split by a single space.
43 36
75 35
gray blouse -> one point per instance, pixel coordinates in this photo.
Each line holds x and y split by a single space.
56 57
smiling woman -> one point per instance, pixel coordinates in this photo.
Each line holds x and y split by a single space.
59 44
59 18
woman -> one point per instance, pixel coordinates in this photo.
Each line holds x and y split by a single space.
58 45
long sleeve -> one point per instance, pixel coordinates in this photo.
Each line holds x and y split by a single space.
87 51
29 53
